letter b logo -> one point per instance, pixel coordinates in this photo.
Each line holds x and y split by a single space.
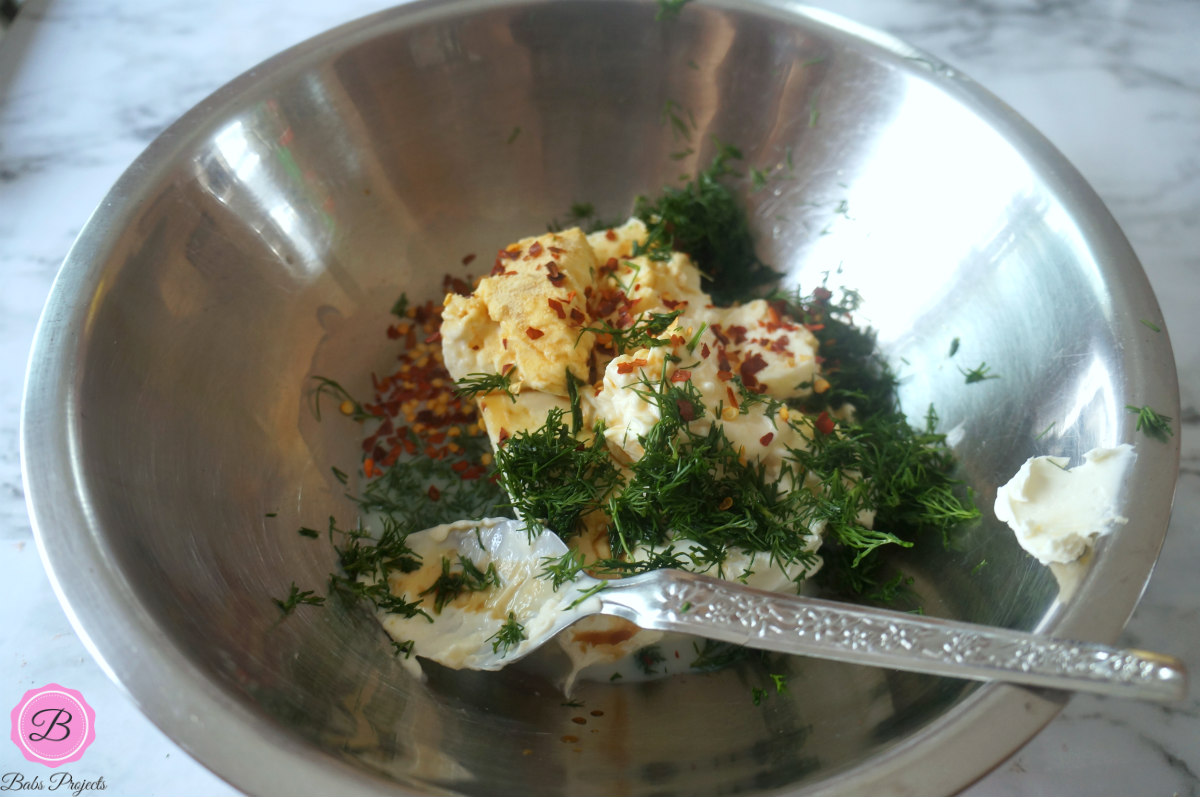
53 725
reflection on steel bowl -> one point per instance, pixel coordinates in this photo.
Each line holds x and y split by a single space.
171 453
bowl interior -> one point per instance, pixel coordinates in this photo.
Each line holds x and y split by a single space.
263 240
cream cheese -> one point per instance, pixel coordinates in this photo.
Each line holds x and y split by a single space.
1057 512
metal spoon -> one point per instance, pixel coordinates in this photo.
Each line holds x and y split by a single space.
673 600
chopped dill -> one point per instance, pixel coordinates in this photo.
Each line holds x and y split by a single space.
472 385
715 655
347 403
404 648
669 9
978 374
648 658
705 219
271 514
561 569
509 636
554 480
297 597
312 534
977 568
340 474
467 578
587 593
953 348
643 333
572 703
671 116
516 131
681 154
400 308
758 179
1045 431
1151 423
780 682
758 695
1151 325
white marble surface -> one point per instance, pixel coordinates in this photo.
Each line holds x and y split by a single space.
86 84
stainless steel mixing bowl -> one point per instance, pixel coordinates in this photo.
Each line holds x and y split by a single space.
263 238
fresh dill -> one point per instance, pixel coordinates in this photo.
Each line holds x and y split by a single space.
404 648
758 695
473 385
978 567
312 534
953 348
1150 325
516 131
555 480
669 9
467 578
572 703
1045 431
561 569
643 333
587 593
271 514
648 658
510 635
780 682
978 374
671 116
705 220
297 597
348 405
400 308
1151 423
713 655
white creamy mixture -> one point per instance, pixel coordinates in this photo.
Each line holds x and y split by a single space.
1058 513
529 319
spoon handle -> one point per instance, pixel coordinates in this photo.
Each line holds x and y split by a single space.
672 600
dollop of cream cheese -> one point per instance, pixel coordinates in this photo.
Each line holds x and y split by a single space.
1058 512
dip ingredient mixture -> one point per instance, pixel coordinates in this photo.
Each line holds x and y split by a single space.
631 390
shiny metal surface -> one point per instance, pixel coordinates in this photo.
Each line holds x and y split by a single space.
264 237
701 606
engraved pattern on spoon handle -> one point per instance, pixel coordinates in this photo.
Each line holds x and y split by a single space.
689 603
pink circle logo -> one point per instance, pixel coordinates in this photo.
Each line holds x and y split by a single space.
53 725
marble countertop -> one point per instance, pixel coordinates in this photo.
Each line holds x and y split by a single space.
1115 85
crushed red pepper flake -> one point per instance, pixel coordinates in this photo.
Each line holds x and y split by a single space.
468 259
534 333
681 375
610 235
767 438
824 424
557 307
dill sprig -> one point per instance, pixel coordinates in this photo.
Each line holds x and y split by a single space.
510 635
978 374
648 658
473 385
452 583
297 597
554 480
705 220
643 333
856 371
349 405
1151 423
